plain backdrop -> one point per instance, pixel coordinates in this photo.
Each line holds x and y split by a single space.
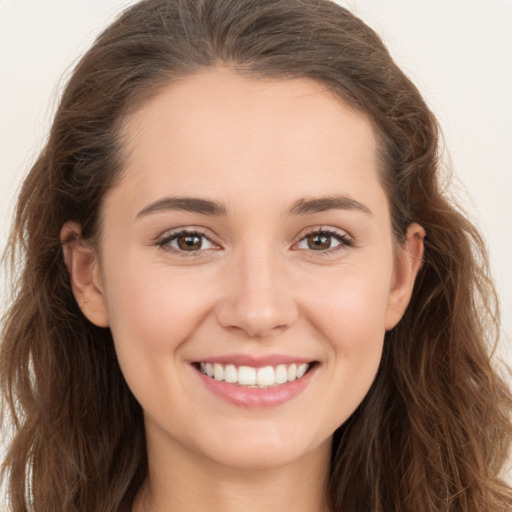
458 52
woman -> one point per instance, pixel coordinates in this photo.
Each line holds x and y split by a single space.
242 286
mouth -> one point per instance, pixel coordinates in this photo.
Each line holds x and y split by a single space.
255 377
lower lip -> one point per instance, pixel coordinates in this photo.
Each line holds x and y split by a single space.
243 396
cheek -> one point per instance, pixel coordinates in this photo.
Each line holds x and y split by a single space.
357 329
350 309
153 312
152 315
349 314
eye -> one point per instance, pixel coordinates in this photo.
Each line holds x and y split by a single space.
186 241
324 240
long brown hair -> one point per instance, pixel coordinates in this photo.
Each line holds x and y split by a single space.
432 433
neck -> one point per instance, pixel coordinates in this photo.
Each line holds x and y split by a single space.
182 481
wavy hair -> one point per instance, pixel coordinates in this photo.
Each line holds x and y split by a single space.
433 432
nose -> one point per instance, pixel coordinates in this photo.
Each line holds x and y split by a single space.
258 297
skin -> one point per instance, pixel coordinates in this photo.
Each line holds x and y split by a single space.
256 285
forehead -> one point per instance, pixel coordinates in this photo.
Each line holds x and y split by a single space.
218 130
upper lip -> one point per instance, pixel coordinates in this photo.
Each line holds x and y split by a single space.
254 361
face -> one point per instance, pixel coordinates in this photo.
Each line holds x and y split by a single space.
246 267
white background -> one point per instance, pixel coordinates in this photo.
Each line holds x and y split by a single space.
458 52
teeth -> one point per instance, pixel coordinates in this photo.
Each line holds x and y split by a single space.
230 373
266 376
254 377
246 376
218 372
301 370
292 372
281 374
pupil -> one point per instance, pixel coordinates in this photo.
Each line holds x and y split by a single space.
189 242
319 242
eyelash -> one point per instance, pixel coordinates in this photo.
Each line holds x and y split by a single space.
344 240
164 243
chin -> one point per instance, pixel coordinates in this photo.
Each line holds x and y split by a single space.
265 449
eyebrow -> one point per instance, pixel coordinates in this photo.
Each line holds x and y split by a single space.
213 208
322 204
188 204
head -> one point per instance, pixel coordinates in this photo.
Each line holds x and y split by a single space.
155 48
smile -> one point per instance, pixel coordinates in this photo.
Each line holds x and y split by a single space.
256 382
249 376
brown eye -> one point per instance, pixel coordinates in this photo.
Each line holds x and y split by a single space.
319 241
186 241
189 242
325 241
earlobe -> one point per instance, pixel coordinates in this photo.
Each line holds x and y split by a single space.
409 261
84 271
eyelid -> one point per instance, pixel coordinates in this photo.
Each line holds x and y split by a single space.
323 228
163 240
345 238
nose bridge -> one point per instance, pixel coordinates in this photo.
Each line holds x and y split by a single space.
258 298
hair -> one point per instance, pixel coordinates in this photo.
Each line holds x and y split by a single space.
432 433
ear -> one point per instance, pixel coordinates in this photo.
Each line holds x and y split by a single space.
408 263
83 266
